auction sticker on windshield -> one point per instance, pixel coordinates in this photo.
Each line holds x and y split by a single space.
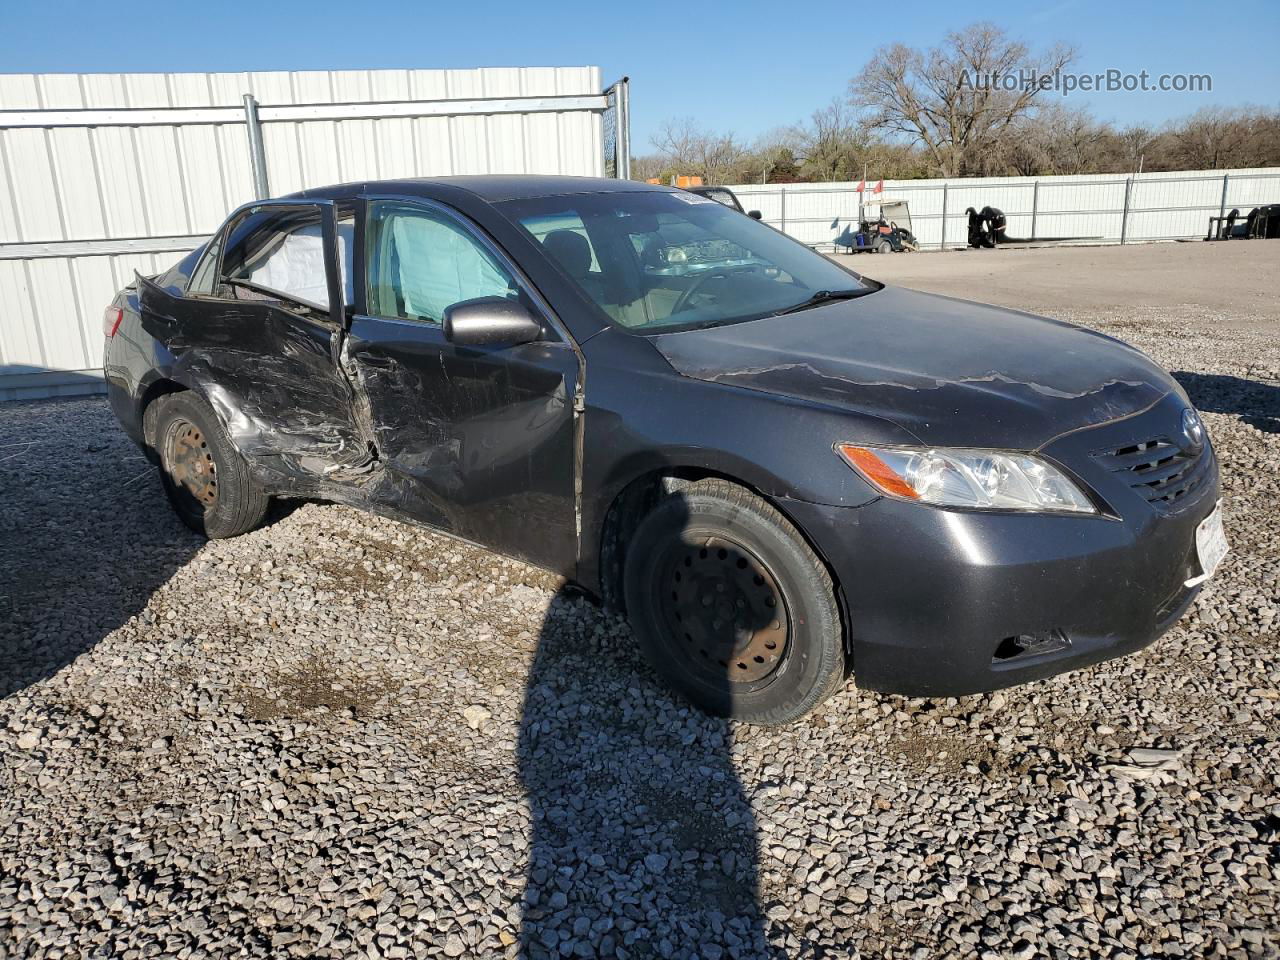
1211 545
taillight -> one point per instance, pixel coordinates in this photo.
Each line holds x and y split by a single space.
111 318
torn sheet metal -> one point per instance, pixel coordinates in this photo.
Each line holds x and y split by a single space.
267 372
949 371
478 442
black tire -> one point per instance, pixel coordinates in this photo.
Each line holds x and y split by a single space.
716 539
204 476
884 246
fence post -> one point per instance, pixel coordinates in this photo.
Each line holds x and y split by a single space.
782 192
1222 204
622 132
943 245
1035 206
1124 216
257 151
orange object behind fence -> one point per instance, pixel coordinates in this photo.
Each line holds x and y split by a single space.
679 181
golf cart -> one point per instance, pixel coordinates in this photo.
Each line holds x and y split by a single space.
885 227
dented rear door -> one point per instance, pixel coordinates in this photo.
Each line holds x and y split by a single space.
268 364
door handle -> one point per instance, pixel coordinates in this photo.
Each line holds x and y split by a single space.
375 361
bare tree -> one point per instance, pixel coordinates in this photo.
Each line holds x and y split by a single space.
1135 146
777 138
773 157
947 123
690 150
832 143
676 141
943 98
1218 137
649 166
1069 139
719 155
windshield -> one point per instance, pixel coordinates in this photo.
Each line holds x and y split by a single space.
665 261
719 196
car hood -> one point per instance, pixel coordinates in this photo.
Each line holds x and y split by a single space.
949 371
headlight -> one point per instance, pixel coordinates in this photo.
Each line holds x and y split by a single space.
967 478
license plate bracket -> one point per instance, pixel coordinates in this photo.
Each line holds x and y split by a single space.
1211 546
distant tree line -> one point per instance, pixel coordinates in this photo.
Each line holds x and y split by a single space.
919 113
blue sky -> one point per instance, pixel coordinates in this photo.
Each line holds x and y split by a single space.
744 67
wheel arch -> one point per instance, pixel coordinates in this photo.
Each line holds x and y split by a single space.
157 388
638 496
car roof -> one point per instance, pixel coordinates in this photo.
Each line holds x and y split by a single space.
490 188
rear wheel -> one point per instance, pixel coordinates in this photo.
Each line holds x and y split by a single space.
732 607
204 476
884 246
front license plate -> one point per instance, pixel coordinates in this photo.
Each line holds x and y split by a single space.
1211 545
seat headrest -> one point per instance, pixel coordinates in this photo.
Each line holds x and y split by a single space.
571 250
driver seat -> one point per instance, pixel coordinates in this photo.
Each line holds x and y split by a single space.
572 251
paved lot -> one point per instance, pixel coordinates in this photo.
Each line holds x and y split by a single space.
342 737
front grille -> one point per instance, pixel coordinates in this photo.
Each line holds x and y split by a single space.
1162 472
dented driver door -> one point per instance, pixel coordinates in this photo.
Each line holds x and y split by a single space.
258 334
478 441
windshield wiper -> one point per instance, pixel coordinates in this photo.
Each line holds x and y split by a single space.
823 296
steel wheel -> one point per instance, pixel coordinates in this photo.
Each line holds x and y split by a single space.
731 606
725 617
190 464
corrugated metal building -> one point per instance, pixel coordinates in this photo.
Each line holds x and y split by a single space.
105 174
1104 208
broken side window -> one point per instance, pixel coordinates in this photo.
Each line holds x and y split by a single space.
202 280
283 251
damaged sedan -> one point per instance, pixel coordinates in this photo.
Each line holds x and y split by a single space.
783 473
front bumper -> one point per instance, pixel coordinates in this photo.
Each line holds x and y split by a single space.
937 599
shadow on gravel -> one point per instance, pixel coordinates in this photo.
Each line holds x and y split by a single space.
86 535
643 840
1255 402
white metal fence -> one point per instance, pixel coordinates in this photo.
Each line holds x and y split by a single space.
1097 209
105 174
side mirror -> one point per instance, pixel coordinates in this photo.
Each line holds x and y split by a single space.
753 214
490 322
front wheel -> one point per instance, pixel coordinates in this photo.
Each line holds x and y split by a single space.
205 478
732 607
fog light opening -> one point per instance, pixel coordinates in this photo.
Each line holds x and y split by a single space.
1030 645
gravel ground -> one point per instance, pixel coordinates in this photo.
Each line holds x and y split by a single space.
341 736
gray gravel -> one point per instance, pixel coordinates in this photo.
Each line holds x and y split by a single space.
344 737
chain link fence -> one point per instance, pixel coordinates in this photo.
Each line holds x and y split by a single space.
616 131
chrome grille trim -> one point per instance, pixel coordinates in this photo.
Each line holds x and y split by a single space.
1158 469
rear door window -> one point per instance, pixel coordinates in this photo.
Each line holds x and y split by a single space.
280 251
721 196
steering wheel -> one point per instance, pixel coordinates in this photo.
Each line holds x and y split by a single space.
715 273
